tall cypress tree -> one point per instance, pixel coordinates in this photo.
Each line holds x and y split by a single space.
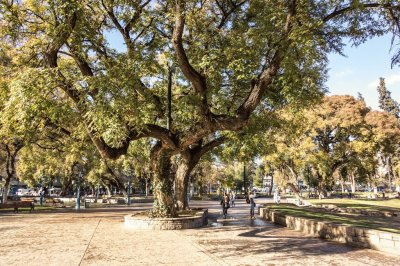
386 103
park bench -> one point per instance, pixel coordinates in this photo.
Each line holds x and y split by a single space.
55 202
23 203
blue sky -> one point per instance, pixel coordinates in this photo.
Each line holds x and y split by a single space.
361 69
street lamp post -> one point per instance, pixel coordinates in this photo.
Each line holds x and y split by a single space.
78 192
128 201
97 192
244 179
41 191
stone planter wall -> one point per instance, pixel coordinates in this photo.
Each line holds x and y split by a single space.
354 236
142 222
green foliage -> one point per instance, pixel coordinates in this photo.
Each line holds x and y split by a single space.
386 103
235 65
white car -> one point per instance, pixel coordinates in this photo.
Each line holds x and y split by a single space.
25 192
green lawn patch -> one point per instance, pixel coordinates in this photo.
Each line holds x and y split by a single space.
371 204
377 223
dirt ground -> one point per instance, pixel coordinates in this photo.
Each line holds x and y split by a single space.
99 237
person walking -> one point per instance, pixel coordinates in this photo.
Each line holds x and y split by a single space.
225 204
233 196
252 206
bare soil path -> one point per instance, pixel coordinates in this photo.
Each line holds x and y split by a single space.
99 237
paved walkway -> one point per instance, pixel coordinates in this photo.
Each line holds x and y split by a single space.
99 237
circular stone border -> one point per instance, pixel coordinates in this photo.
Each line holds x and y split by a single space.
186 222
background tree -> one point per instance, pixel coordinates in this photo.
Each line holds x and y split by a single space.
384 140
386 102
231 58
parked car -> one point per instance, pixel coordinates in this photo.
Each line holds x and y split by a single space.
54 192
25 192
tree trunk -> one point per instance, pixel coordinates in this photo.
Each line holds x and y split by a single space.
181 182
163 181
147 186
342 184
6 189
294 189
120 185
272 185
390 173
66 186
321 186
10 166
187 163
353 184
108 188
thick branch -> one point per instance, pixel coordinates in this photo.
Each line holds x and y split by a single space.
340 11
114 19
200 130
197 80
152 131
55 46
51 124
80 60
267 76
226 14
135 17
211 145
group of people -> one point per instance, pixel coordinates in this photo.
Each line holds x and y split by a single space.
228 200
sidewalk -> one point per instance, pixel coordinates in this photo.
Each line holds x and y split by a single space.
99 237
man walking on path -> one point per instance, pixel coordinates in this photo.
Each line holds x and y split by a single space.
232 194
252 205
225 204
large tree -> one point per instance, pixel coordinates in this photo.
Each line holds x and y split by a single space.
221 60
386 102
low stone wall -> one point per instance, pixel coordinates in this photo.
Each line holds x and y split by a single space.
354 236
142 222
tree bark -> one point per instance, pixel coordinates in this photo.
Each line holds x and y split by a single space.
353 184
390 173
185 167
181 181
108 189
147 188
294 189
321 186
10 166
189 159
272 185
163 181
6 189
65 186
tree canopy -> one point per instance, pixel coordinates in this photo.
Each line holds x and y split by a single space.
223 61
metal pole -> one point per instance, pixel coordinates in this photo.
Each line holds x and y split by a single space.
41 191
169 98
128 202
244 178
78 193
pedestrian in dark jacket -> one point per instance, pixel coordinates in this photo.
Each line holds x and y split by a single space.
225 204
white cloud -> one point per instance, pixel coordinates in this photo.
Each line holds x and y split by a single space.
390 81
373 84
343 73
